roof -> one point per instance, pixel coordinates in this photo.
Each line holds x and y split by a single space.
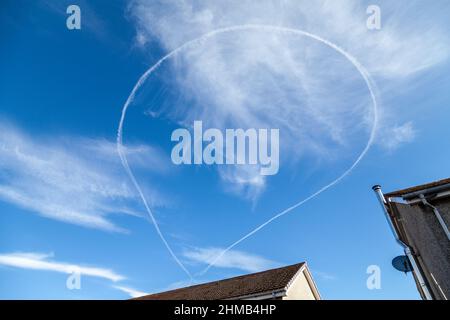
434 184
251 284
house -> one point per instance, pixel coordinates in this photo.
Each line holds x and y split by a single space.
292 282
419 217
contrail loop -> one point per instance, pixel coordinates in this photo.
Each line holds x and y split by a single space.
120 148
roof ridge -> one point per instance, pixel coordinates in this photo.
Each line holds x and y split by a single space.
300 264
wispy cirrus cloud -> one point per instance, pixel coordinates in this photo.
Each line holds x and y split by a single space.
243 180
43 262
387 52
258 79
233 259
74 180
133 293
399 135
326 276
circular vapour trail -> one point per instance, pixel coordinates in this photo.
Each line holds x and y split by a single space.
120 148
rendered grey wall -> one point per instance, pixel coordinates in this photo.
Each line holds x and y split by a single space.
426 236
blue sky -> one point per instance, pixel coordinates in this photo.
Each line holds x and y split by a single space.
67 203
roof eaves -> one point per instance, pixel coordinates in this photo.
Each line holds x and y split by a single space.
273 293
443 184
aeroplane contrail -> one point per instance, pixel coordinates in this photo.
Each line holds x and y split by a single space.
120 148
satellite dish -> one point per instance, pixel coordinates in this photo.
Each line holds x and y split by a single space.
401 263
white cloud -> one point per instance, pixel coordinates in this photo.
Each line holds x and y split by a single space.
41 261
73 180
181 284
394 137
133 293
323 275
258 79
243 180
230 259
387 51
